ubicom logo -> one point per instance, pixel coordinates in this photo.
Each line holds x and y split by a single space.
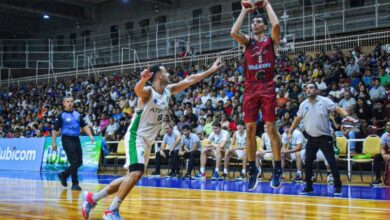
13 154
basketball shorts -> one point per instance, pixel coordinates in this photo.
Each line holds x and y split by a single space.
137 152
259 96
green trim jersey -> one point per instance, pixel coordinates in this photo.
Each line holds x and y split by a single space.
145 126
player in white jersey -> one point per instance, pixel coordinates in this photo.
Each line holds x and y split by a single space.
265 151
145 125
237 148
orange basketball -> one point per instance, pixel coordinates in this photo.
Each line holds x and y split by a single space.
253 4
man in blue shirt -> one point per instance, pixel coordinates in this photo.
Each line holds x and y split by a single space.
70 122
189 148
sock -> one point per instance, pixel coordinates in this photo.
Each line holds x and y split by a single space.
299 173
217 170
100 195
202 169
225 171
115 204
244 171
259 168
278 164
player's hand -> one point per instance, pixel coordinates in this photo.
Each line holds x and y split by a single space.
92 139
247 10
54 147
162 154
146 74
216 65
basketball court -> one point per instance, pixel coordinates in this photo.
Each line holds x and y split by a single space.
34 195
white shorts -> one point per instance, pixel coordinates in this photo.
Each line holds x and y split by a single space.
240 154
320 157
137 151
268 156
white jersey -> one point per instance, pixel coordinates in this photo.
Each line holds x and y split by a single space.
240 139
147 121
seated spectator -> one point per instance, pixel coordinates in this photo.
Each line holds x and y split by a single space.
190 148
169 150
377 92
291 149
217 143
383 156
348 102
237 149
111 130
265 151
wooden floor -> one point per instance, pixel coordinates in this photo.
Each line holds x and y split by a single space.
42 199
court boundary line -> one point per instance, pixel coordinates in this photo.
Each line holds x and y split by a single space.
208 190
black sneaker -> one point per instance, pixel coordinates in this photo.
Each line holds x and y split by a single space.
277 176
171 175
376 183
62 179
224 177
337 191
253 178
76 188
307 190
187 176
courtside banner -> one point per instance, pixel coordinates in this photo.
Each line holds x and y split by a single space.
57 160
21 153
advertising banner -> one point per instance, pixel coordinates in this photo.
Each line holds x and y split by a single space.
57 160
21 153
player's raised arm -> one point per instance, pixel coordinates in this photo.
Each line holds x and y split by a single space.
274 22
235 32
194 78
140 90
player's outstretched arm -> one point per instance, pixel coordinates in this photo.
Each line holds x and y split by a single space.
195 78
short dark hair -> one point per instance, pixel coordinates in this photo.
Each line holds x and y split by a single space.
155 69
216 124
186 127
263 17
315 85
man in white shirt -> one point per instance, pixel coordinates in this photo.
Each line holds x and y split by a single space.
291 149
110 130
190 148
217 143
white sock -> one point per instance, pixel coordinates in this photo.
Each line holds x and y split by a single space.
115 204
217 170
244 171
100 195
202 169
299 173
225 170
259 168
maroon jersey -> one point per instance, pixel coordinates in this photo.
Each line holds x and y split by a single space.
259 60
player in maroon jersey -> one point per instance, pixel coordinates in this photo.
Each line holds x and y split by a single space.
259 94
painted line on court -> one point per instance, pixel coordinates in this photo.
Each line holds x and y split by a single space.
219 200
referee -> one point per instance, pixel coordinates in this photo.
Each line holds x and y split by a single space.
70 122
314 112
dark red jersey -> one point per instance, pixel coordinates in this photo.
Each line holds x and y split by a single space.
259 60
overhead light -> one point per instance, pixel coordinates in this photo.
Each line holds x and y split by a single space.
46 16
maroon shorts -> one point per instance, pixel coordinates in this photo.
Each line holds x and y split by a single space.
259 96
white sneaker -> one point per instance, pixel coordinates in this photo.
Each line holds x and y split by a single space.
329 179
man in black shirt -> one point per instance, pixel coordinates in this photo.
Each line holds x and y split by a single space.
70 122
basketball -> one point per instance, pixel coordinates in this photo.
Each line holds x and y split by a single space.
254 4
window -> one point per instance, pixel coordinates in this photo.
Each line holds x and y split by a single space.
144 24
216 16
60 42
129 26
72 39
161 21
196 15
114 35
236 9
86 36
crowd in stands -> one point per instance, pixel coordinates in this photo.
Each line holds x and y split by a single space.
358 82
